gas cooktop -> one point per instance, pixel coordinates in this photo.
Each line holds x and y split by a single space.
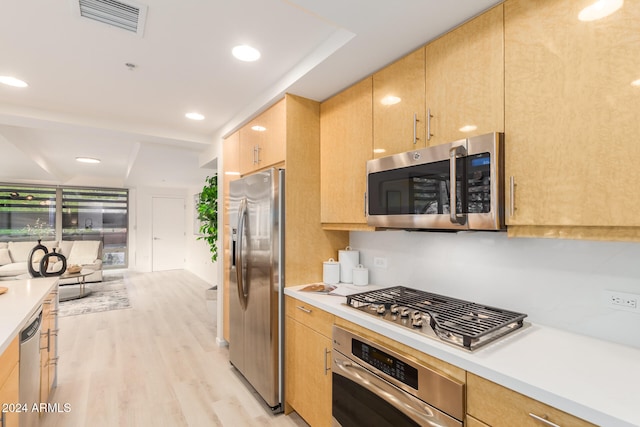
461 323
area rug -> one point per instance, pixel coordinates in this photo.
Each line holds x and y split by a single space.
105 296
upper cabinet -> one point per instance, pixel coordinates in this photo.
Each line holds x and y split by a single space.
572 97
399 106
262 140
465 80
346 145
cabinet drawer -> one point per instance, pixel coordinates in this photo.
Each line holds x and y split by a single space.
8 360
307 314
499 406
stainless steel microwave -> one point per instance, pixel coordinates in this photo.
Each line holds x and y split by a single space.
416 189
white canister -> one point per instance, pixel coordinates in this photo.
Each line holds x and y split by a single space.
348 260
360 275
331 272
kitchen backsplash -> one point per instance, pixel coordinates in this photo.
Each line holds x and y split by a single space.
558 283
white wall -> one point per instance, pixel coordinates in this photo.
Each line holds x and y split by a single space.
558 283
198 260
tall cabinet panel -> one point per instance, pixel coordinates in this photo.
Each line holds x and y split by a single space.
465 80
231 169
346 145
398 106
571 113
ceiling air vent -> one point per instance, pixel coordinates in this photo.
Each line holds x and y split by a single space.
128 15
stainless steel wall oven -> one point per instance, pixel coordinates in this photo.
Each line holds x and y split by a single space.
376 386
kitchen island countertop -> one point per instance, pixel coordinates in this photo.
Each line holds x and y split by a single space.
590 378
18 303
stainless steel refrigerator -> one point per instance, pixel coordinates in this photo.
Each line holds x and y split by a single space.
256 209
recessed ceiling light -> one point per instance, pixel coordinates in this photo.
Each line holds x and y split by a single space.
390 100
12 81
258 128
246 53
599 10
194 116
87 160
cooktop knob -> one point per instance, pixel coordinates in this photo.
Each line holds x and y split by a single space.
395 308
381 309
404 312
416 322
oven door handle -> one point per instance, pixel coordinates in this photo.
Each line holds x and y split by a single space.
414 408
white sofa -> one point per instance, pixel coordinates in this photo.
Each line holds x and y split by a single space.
87 253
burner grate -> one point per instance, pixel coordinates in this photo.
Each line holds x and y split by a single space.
457 319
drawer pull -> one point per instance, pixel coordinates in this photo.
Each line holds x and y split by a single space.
543 420
306 310
326 360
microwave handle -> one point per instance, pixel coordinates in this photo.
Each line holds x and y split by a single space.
454 154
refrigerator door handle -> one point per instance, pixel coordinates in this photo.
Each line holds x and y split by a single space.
242 292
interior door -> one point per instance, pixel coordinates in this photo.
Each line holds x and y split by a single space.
168 233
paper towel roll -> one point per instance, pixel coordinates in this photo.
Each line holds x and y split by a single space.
331 272
360 275
348 260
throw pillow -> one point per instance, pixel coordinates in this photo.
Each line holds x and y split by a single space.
5 257
83 252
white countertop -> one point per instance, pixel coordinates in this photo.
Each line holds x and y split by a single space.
18 303
595 380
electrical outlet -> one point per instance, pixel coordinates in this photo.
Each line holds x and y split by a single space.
379 262
622 300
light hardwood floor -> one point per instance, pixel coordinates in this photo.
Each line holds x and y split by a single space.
155 364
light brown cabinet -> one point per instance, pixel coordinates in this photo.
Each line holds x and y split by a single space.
399 106
498 406
10 383
262 140
465 80
571 120
345 146
308 361
231 172
48 345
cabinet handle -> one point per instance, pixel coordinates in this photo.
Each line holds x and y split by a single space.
543 420
415 128
429 116
258 154
326 359
306 310
512 193
365 204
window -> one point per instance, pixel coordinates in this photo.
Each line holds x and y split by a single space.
98 214
27 213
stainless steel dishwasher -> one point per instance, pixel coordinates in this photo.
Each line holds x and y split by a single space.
30 368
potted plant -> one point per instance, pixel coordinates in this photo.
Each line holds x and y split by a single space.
208 215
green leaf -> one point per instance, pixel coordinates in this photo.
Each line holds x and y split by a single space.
208 215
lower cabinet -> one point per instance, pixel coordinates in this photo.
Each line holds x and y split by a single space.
498 406
9 384
308 347
48 343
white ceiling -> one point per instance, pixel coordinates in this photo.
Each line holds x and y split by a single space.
83 101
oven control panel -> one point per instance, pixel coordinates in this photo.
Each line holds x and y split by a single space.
386 363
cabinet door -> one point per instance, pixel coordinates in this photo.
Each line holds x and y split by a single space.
308 373
345 147
9 393
571 114
262 140
465 80
499 406
399 106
